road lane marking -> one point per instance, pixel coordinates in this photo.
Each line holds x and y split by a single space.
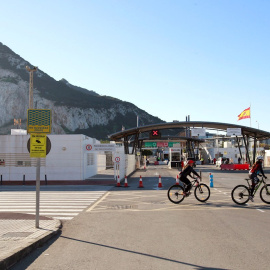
96 203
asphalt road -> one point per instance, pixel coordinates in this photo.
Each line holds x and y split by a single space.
139 228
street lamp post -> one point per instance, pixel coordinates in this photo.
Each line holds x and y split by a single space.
31 106
258 124
31 71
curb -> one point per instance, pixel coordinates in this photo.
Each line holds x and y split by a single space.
22 252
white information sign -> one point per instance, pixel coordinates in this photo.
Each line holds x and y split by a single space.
197 131
175 149
104 147
234 132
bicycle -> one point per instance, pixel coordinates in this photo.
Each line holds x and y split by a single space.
176 193
241 193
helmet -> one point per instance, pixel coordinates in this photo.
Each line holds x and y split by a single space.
259 158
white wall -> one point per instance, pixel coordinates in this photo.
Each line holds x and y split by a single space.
267 158
68 159
130 164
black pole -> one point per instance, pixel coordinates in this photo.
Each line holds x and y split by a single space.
46 179
254 148
23 179
239 147
1 179
247 153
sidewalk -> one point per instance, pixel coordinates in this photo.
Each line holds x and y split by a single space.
18 236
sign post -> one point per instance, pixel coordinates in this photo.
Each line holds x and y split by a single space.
38 125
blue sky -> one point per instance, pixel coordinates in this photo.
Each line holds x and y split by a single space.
206 58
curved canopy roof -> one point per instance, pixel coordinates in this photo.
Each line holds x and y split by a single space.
248 131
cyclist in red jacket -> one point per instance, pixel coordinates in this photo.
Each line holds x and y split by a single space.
254 171
187 170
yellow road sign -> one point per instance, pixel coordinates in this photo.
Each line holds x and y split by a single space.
39 121
38 145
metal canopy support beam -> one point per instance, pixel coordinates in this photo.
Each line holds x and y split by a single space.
126 145
254 148
188 147
135 142
239 147
192 150
140 145
246 146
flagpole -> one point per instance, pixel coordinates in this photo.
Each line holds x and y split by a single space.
250 114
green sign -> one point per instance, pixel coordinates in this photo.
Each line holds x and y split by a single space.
39 121
172 144
150 144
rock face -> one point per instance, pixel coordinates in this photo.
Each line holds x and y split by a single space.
74 109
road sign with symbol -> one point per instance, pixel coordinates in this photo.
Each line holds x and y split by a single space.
117 159
88 147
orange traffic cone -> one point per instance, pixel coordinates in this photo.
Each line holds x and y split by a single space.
177 180
126 183
140 183
118 182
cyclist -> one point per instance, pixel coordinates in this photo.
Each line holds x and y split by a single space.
187 170
254 171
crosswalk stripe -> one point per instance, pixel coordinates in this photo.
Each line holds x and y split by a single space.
60 205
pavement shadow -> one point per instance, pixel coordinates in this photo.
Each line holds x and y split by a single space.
197 267
27 261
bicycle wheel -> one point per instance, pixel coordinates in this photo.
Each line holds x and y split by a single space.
240 194
202 192
176 194
265 194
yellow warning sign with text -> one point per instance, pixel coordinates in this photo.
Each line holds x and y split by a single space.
38 145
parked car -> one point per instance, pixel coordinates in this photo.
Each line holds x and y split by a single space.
220 160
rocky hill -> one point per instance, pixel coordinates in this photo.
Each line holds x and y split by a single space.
74 109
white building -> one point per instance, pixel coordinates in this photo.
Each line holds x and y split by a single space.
72 157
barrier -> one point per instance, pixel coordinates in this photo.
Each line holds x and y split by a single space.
234 166
159 182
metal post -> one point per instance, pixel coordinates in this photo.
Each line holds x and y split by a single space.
254 149
31 106
37 192
24 179
1 179
46 179
247 153
239 147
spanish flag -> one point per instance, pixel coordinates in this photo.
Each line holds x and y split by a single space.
244 114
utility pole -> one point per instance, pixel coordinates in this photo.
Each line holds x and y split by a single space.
31 71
